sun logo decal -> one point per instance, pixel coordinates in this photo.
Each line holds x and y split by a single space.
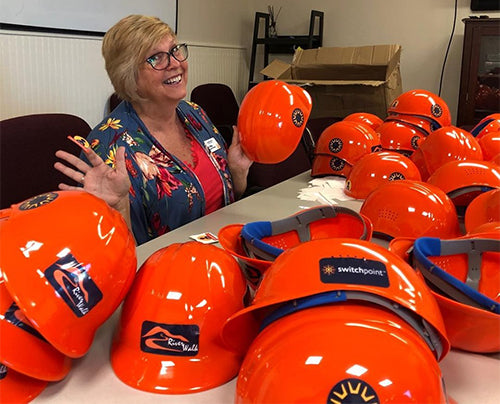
38 201
298 117
328 269
415 141
337 164
436 110
352 391
335 145
396 176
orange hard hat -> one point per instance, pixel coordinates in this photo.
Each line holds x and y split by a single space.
445 144
168 338
266 240
465 180
230 239
339 353
340 145
464 276
490 123
486 228
377 168
400 137
496 159
483 209
18 388
22 348
402 247
424 104
410 208
71 260
271 119
327 164
413 121
371 120
338 270
490 144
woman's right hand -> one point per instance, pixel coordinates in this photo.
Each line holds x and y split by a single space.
110 184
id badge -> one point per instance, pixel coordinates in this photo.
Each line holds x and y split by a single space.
212 144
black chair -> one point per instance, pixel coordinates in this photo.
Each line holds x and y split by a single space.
314 129
220 104
262 176
27 147
113 102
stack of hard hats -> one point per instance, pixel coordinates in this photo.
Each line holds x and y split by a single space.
463 275
445 144
487 132
257 244
67 262
443 167
339 313
340 146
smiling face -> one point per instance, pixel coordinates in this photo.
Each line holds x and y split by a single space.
163 86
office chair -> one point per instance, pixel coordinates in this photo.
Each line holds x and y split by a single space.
314 129
113 102
261 176
27 147
220 104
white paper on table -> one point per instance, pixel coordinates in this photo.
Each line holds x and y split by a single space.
327 190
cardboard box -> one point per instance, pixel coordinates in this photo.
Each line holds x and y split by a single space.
344 80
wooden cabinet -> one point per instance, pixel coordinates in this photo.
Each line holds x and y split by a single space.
480 77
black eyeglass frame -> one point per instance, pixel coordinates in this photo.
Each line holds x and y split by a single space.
169 54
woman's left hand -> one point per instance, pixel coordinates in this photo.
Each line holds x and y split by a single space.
239 163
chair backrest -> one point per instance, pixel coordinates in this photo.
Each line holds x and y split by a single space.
262 176
27 147
220 104
113 102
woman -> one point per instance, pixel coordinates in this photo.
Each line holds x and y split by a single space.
156 158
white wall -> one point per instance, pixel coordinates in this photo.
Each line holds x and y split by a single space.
422 28
66 74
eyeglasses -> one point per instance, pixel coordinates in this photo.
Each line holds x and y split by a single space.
161 60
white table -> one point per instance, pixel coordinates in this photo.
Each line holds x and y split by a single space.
469 378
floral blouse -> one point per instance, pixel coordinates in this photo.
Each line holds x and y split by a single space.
165 193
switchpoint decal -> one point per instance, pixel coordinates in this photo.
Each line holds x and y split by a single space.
357 271
170 339
73 284
352 391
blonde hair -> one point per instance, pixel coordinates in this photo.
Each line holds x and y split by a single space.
125 47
